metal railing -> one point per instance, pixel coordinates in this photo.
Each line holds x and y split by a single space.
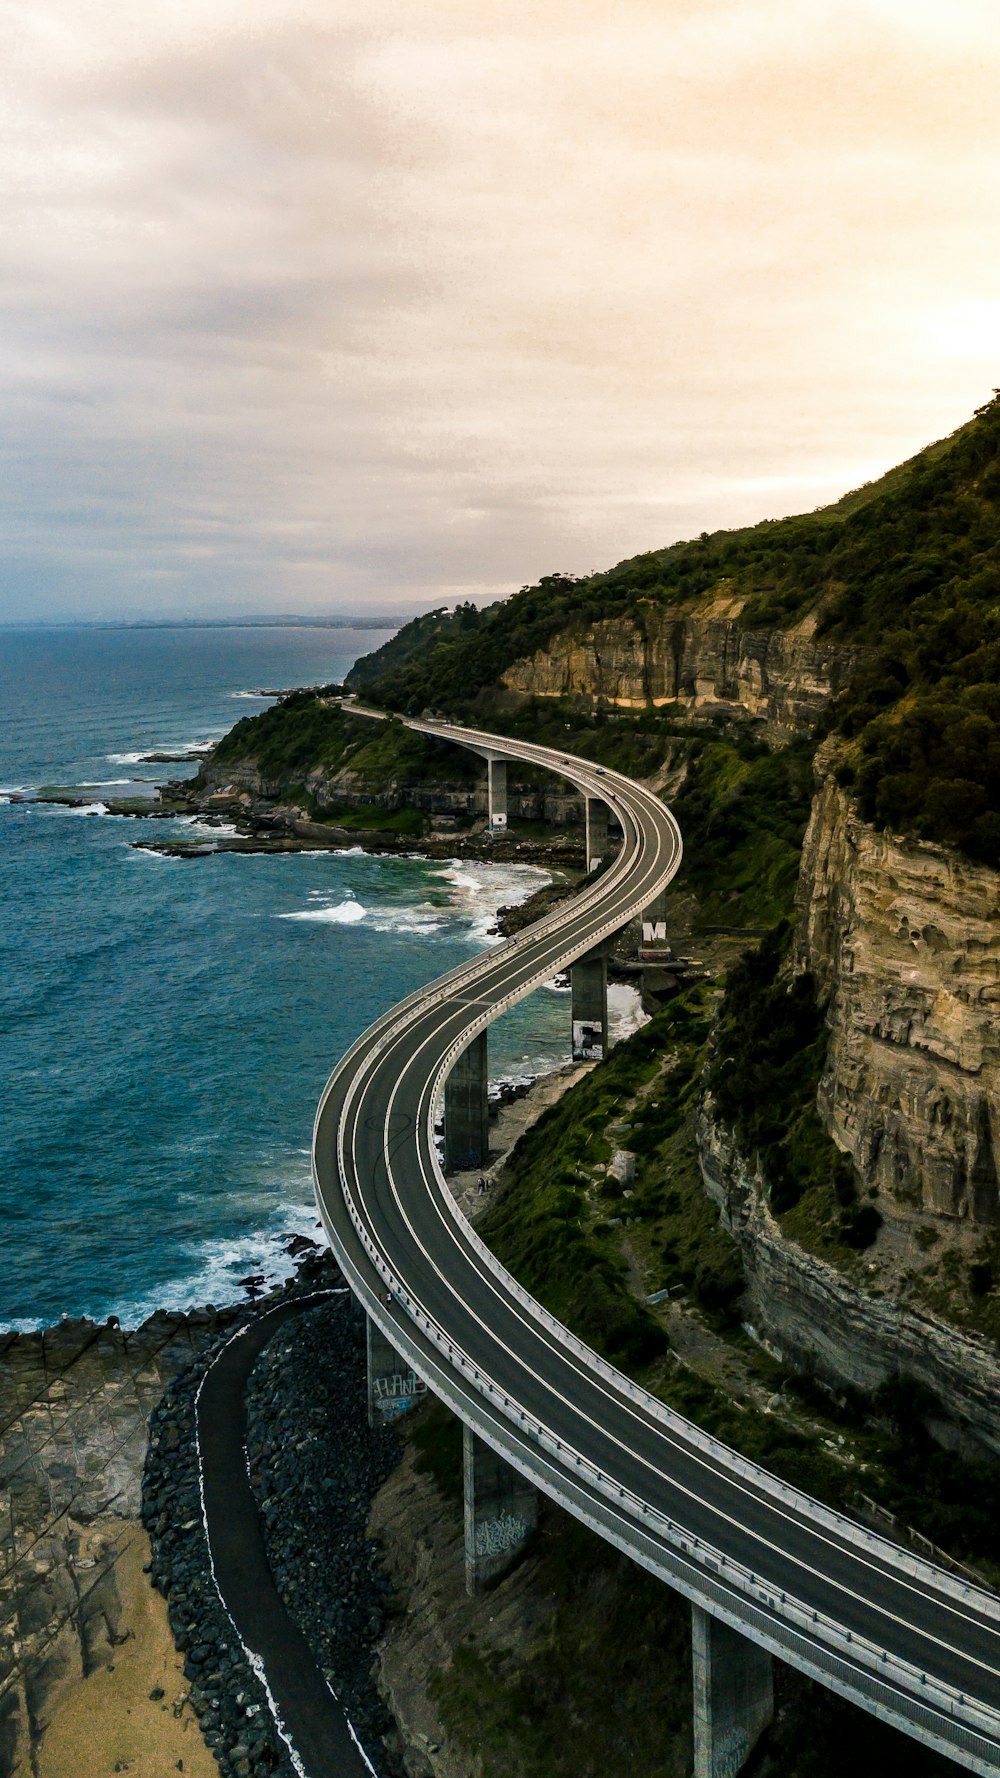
891 1686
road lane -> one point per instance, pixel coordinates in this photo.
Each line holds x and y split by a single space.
375 1163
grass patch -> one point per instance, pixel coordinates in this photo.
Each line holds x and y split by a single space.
302 734
551 1226
436 1435
771 1049
603 1688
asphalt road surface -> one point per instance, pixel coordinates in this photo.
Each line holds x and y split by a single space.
309 1718
909 1643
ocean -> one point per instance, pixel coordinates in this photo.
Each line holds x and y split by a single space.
166 1026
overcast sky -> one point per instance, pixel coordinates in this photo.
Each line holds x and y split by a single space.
358 305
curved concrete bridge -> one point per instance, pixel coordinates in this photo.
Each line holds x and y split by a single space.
768 1571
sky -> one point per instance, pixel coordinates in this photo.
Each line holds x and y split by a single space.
361 306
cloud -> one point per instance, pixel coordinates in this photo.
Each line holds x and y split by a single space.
351 307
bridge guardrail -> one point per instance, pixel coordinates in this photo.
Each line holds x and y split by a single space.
846 1528
700 1585
945 1699
964 1716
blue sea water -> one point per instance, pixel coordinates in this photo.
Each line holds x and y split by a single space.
166 1026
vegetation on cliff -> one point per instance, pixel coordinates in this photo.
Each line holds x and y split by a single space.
909 567
594 1250
770 1048
743 811
440 627
303 734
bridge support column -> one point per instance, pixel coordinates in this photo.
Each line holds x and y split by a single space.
733 1696
392 1385
589 984
501 1511
497 790
653 938
466 1110
597 844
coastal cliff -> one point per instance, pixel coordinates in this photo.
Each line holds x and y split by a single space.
698 662
453 792
850 1332
903 940
896 952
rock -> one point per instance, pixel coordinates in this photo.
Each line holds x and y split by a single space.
903 939
816 1320
697 658
307 1425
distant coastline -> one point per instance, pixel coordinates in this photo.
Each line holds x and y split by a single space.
372 622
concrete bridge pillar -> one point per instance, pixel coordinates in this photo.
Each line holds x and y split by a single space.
501 1512
392 1385
733 1696
496 769
466 1110
653 943
589 984
597 844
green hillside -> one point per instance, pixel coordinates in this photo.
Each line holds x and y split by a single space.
909 566
433 629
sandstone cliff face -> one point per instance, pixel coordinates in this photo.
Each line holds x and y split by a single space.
817 1320
904 941
698 659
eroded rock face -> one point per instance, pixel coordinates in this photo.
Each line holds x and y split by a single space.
697 658
75 1401
904 941
818 1321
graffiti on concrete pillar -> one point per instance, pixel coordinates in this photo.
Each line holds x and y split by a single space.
653 945
397 1392
588 1040
497 1537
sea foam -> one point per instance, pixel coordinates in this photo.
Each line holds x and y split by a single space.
343 913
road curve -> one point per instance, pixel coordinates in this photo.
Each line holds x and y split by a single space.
909 1643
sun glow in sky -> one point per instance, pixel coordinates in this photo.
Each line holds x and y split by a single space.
366 305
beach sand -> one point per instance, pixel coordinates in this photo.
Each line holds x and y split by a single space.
108 1722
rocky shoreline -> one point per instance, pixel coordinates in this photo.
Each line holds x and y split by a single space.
75 1630
240 823
97 1673
263 827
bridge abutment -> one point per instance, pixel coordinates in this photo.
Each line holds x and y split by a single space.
597 844
733 1696
466 1109
501 1512
589 984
